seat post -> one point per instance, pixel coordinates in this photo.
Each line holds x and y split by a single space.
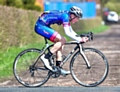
46 42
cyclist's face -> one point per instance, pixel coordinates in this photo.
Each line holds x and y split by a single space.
74 18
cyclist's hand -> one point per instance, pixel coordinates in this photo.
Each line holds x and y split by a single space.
84 39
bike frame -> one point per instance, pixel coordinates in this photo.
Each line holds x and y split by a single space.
78 46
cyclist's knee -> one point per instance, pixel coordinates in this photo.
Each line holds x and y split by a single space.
59 38
63 40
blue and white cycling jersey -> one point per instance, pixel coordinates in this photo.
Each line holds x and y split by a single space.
48 18
55 17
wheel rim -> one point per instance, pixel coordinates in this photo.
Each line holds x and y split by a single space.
93 76
28 75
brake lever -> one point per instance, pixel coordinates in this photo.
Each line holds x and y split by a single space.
89 35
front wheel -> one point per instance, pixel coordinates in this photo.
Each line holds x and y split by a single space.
29 70
89 77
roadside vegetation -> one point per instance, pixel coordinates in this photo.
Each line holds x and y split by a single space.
17 33
112 5
23 4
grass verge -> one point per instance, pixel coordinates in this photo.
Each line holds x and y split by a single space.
7 59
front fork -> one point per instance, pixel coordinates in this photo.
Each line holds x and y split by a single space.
84 57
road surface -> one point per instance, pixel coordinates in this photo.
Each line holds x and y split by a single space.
60 89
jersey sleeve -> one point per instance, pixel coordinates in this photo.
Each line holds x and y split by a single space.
68 29
69 32
65 20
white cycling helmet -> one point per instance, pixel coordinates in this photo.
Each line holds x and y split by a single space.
77 11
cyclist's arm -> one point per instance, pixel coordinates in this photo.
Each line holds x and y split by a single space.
69 32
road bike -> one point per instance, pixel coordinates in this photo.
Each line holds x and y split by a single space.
88 66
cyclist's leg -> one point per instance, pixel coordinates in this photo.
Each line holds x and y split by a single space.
53 36
58 46
58 57
50 34
59 41
59 60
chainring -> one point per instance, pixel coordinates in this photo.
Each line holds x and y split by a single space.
57 73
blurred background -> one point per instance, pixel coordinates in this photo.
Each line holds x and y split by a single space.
91 8
18 17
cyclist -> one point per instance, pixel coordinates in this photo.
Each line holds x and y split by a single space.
42 27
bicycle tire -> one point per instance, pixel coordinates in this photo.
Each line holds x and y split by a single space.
25 73
93 76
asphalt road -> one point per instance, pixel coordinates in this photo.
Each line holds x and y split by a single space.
60 89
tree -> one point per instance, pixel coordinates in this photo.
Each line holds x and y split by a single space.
103 2
30 4
16 3
25 4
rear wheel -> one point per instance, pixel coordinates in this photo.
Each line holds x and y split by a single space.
89 77
27 72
